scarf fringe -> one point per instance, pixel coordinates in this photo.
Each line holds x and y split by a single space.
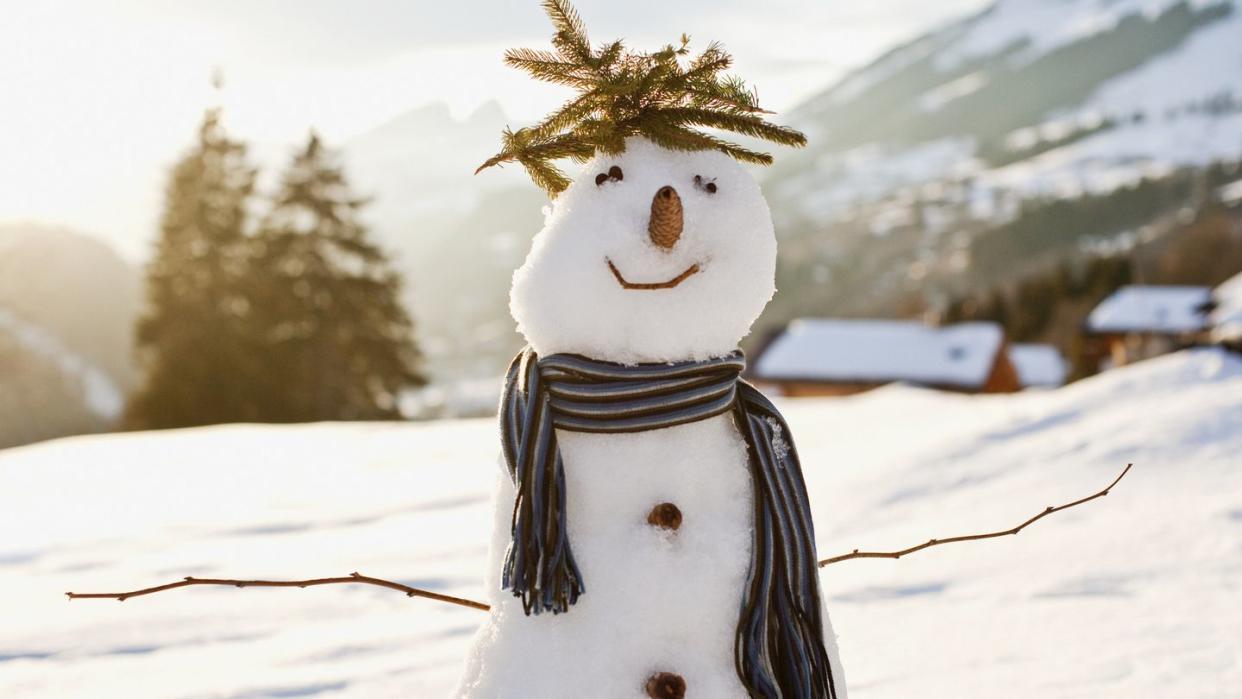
779 649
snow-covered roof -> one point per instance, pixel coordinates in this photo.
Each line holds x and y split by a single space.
1230 193
881 351
1038 365
1226 319
1154 309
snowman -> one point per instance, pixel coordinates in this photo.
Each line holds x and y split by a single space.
652 533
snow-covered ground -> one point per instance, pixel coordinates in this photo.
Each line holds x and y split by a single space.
1133 595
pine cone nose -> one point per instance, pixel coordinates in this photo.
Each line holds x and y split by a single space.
666 218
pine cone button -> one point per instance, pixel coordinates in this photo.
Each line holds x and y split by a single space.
666 515
666 685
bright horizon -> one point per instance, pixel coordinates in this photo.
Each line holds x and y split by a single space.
101 101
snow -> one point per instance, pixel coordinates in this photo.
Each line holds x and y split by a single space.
933 100
1038 27
858 82
866 173
1226 318
1171 93
654 602
1038 365
1230 194
1205 65
870 351
565 299
1131 595
1122 156
1154 309
103 397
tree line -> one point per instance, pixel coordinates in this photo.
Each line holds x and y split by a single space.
274 308
1052 304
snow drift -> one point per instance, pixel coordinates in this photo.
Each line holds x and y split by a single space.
1132 595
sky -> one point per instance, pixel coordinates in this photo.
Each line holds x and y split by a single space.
99 99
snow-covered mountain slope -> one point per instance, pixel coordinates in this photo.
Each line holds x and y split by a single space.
419 169
1082 94
101 394
1133 595
67 308
75 288
456 237
1034 115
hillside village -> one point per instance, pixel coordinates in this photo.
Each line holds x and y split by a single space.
835 357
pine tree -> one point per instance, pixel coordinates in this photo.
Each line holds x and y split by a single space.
336 342
189 339
665 96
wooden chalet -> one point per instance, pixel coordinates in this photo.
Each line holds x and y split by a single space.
1139 322
833 357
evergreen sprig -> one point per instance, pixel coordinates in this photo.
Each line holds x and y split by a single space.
665 96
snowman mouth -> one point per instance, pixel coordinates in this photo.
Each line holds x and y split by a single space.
650 286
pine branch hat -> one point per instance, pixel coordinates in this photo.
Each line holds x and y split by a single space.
661 96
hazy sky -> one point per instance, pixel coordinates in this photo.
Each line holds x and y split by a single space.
99 98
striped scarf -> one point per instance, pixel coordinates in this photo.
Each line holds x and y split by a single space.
779 648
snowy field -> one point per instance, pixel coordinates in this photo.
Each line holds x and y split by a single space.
1135 595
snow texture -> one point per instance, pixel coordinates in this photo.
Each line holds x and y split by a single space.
1180 77
565 299
1164 90
654 601
1226 318
1033 28
1133 595
1122 156
840 181
1160 114
1230 194
1038 365
882 351
1151 309
933 100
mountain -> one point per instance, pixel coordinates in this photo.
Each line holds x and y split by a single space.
932 172
1107 82
418 168
456 237
74 287
67 309
916 158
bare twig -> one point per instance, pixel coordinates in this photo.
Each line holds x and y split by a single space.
972 537
357 578
650 286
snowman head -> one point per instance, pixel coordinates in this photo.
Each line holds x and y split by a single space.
649 256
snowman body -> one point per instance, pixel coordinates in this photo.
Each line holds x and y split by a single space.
661 521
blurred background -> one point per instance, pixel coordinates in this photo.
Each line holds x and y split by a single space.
1015 164
265 212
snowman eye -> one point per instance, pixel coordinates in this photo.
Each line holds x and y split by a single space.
708 186
614 174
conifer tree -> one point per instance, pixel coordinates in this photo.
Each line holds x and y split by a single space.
336 342
666 96
189 339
